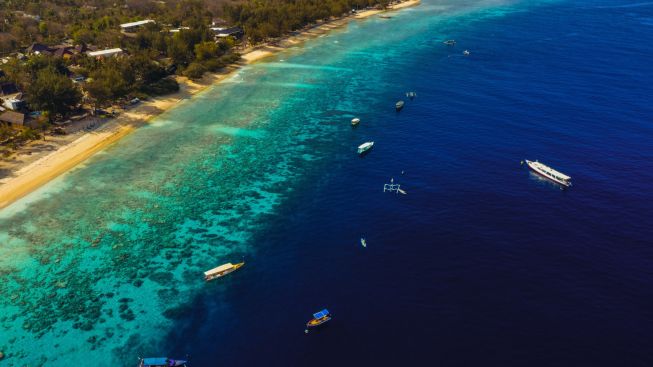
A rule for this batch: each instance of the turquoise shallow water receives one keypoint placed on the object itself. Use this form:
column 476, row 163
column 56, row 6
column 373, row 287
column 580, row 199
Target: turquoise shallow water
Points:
column 105, row 264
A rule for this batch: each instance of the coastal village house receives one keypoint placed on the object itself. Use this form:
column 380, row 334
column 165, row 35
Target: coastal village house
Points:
column 134, row 26
column 222, row 32
column 112, row 52
column 10, row 97
column 15, row 119
column 58, row 51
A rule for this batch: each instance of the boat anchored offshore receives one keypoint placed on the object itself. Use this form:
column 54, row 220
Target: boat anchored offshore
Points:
column 411, row 95
column 161, row 362
column 363, row 242
column 221, row 271
column 549, row 173
column 399, row 105
column 466, row 52
column 319, row 318
column 355, row 121
column 450, row 42
column 365, row 147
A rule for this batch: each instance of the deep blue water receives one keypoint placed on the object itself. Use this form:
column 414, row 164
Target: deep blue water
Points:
column 481, row 263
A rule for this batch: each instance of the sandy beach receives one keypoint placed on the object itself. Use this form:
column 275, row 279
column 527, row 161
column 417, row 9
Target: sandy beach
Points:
column 33, row 171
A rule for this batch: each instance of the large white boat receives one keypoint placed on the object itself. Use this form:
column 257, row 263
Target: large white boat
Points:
column 365, row 147
column 221, row 270
column 549, row 173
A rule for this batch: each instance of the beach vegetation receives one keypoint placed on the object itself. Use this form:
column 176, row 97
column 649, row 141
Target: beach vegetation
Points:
column 52, row 92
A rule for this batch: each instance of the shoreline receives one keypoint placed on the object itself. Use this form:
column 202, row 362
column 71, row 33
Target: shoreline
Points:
column 33, row 175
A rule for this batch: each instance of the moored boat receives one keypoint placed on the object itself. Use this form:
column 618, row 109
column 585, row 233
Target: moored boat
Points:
column 399, row 105
column 549, row 173
column 363, row 242
column 449, row 42
column 221, row 270
column 466, row 52
column 319, row 318
column 161, row 362
column 365, row 147
column 355, row 121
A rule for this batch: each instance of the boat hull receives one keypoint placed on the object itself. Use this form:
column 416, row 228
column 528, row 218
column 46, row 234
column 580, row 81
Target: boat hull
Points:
column 365, row 148
column 544, row 175
column 220, row 275
column 317, row 322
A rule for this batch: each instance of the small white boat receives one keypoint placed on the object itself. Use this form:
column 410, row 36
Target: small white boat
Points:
column 466, row 53
column 365, row 147
column 399, row 105
column 221, row 271
column 363, row 242
column 355, row 121
column 549, row 173
column 449, row 42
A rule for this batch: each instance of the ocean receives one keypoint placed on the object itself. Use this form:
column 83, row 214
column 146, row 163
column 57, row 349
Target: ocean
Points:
column 480, row 263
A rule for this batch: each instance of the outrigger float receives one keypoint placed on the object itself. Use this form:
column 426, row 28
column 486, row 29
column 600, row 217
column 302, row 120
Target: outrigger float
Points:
column 221, row 270
column 393, row 187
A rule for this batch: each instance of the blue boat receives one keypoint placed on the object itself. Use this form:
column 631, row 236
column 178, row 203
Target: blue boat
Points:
column 319, row 318
column 162, row 362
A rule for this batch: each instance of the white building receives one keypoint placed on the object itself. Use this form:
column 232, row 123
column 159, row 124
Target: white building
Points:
column 133, row 26
column 106, row 53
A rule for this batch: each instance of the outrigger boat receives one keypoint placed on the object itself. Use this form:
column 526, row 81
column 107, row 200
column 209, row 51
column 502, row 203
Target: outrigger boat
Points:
column 319, row 318
column 221, row 271
column 161, row 362
column 449, row 42
column 365, row 147
column 549, row 173
column 355, row 121
column 399, row 105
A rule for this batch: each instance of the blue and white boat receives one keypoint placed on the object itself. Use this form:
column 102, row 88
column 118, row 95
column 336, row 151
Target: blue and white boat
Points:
column 162, row 362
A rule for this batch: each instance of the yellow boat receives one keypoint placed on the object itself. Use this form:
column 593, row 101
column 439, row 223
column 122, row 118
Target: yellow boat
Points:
column 221, row 270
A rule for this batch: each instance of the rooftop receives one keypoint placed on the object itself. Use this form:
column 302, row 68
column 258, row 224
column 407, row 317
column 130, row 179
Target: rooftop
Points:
column 109, row 52
column 136, row 24
column 12, row 117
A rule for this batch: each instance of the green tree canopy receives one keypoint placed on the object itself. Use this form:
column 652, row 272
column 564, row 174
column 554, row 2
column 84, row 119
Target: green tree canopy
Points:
column 106, row 84
column 53, row 92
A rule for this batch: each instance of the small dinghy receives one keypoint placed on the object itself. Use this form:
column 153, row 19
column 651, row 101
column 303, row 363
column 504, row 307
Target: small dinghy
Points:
column 355, row 121
column 365, row 147
column 363, row 242
column 399, row 105
column 466, row 53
